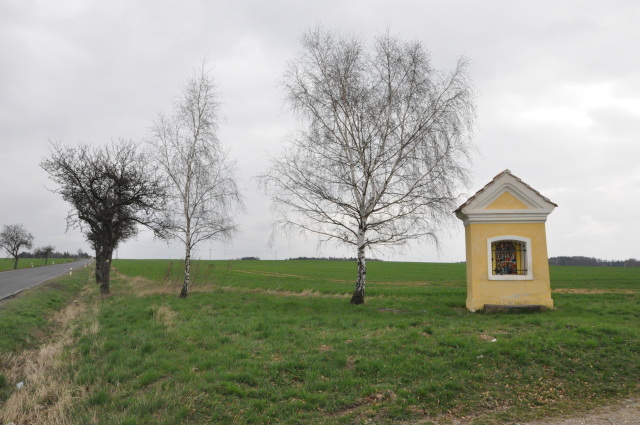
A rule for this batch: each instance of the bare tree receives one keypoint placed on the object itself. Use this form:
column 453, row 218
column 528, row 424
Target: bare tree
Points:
column 112, row 190
column 200, row 177
column 383, row 146
column 13, row 238
column 44, row 252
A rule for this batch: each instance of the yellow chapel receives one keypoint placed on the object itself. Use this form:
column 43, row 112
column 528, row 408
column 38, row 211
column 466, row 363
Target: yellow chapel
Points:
column 506, row 245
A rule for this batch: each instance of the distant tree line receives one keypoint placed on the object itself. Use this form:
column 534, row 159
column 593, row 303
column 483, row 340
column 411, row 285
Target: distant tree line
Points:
column 332, row 259
column 315, row 258
column 594, row 262
column 55, row 254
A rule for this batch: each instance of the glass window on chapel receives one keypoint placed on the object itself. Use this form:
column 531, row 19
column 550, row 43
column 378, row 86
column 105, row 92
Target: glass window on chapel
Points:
column 509, row 257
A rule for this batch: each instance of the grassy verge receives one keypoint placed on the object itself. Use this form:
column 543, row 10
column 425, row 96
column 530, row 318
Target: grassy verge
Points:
column 27, row 321
column 24, row 320
column 277, row 342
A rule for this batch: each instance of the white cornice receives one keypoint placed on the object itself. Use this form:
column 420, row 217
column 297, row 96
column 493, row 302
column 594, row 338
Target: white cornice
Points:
column 504, row 216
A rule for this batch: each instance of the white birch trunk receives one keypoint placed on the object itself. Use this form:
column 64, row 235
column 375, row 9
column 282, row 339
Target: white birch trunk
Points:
column 187, row 270
column 358, row 293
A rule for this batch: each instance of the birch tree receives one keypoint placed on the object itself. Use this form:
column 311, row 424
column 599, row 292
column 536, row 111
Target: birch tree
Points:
column 382, row 147
column 200, row 177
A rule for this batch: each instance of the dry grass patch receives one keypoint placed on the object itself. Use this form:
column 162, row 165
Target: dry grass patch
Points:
column 274, row 274
column 69, row 313
column 592, row 291
column 363, row 406
column 165, row 315
column 413, row 284
column 488, row 338
column 408, row 284
column 143, row 287
column 307, row 293
column 46, row 393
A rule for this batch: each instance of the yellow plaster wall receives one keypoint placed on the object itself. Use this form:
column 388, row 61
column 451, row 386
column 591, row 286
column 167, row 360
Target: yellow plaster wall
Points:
column 470, row 259
column 507, row 201
column 481, row 290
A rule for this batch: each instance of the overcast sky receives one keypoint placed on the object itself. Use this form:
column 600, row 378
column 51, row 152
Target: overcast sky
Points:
column 558, row 87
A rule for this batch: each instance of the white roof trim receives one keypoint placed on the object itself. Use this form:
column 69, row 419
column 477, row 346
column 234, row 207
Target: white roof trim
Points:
column 474, row 210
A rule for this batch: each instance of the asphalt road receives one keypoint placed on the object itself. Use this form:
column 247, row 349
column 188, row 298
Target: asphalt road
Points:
column 14, row 281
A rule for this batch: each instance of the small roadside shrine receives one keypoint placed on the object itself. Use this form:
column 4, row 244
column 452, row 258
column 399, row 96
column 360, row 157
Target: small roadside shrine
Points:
column 507, row 262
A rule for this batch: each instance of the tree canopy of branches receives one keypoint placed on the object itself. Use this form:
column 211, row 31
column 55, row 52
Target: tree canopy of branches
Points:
column 112, row 190
column 203, row 195
column 383, row 147
column 44, row 252
column 13, row 238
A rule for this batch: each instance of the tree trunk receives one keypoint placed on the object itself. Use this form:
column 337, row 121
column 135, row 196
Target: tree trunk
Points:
column 103, row 270
column 15, row 263
column 99, row 261
column 358, row 293
column 187, row 272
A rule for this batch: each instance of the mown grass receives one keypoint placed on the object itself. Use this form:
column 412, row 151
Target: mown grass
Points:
column 23, row 263
column 278, row 342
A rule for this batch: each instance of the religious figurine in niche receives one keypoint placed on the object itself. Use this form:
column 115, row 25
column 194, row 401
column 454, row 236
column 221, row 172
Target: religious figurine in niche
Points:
column 506, row 262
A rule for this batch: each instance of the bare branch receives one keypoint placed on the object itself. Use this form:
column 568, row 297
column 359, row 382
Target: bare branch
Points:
column 112, row 190
column 383, row 147
column 13, row 238
column 198, row 173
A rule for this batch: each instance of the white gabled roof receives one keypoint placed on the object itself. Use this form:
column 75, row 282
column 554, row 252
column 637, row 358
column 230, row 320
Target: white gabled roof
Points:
column 474, row 210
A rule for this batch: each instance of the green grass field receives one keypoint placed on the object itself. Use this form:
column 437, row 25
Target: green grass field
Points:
column 278, row 342
column 23, row 263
